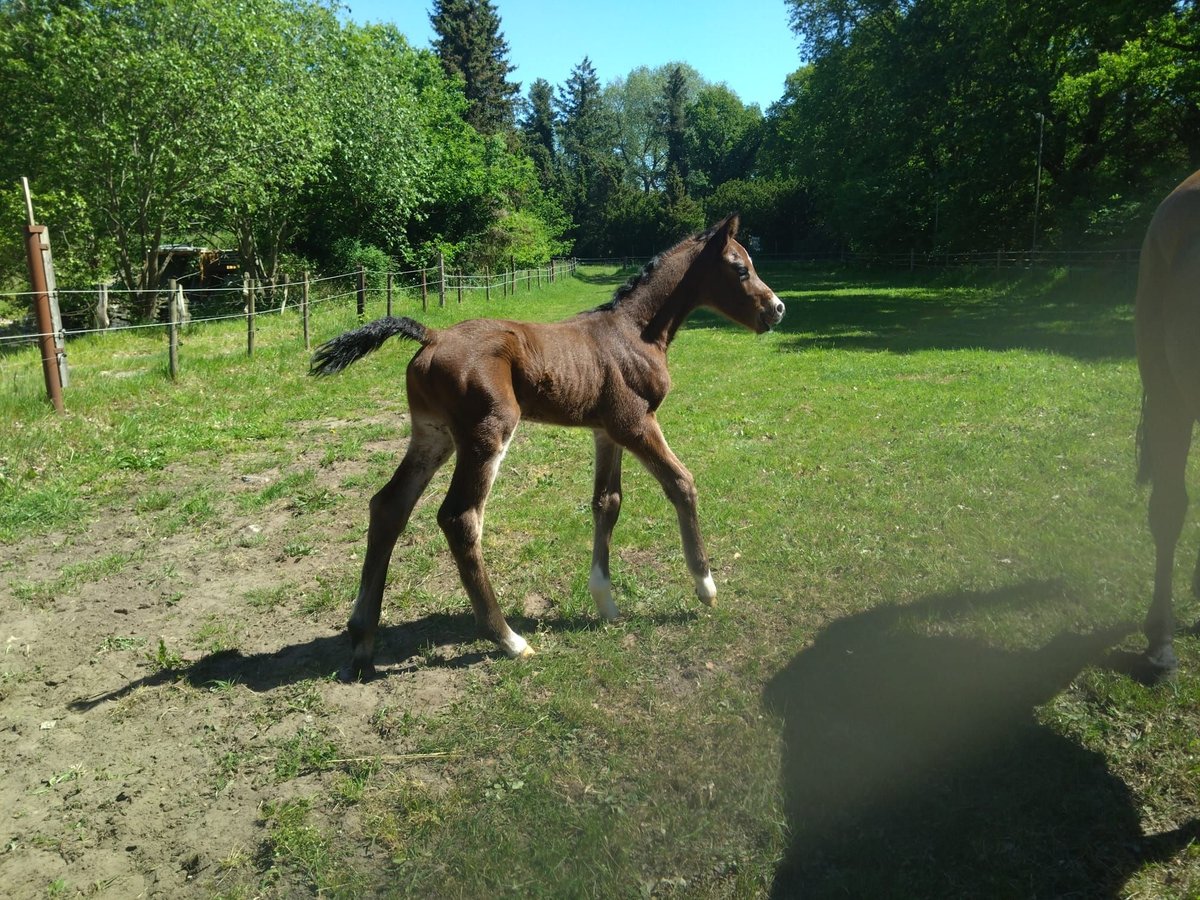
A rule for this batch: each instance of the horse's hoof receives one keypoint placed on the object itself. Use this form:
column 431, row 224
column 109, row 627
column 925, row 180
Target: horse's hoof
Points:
column 1162, row 662
column 516, row 647
column 356, row 672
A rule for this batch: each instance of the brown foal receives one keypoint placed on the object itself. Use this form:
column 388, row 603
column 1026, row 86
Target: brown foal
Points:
column 605, row 369
column 1167, row 326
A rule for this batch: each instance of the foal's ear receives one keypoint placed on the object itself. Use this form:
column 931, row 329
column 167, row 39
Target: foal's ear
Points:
column 723, row 232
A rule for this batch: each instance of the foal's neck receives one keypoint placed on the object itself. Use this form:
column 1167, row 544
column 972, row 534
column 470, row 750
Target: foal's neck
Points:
column 662, row 303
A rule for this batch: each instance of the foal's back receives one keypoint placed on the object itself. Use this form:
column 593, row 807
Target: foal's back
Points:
column 562, row 373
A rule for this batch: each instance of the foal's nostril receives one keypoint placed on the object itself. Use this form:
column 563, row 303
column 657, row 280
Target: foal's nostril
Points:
column 779, row 308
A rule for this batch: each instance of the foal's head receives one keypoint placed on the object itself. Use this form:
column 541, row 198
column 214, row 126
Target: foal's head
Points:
column 729, row 284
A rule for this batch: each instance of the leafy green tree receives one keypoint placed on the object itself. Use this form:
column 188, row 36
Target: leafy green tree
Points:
column 674, row 125
column 167, row 120
column 722, row 138
column 471, row 47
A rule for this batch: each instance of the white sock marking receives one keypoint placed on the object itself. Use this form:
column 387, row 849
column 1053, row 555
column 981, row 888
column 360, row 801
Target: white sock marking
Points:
column 706, row 589
column 515, row 646
column 601, row 589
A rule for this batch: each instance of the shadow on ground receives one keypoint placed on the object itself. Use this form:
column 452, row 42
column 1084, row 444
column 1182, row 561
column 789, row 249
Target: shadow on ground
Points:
column 1086, row 314
column 913, row 765
column 399, row 649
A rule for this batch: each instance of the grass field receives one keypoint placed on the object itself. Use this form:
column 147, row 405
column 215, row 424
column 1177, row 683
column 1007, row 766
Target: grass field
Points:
column 931, row 560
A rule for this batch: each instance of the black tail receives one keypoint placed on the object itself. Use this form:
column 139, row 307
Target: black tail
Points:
column 1141, row 450
column 336, row 354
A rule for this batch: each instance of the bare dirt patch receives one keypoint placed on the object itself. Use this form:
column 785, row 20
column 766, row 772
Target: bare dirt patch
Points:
column 166, row 683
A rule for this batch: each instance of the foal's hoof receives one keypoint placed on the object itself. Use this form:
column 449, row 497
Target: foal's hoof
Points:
column 516, row 647
column 356, row 672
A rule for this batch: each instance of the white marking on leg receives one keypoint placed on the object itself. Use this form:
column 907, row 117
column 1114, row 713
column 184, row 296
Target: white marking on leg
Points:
column 515, row 646
column 493, row 471
column 601, row 589
column 706, row 589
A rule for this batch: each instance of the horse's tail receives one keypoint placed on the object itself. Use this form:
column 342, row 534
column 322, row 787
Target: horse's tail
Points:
column 334, row 355
column 1142, row 449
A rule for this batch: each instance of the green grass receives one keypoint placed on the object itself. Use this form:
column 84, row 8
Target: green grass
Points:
column 918, row 498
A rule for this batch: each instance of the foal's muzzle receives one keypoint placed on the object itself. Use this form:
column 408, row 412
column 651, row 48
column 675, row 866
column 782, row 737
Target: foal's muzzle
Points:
column 772, row 314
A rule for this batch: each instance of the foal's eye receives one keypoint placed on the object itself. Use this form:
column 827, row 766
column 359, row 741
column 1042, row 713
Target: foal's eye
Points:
column 743, row 272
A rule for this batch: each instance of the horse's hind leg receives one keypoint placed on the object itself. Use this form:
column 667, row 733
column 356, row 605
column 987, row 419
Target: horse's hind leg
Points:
column 1167, row 439
column 606, row 507
column 461, row 519
column 429, row 447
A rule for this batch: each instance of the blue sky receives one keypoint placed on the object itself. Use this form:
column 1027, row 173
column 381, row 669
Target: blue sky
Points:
column 745, row 43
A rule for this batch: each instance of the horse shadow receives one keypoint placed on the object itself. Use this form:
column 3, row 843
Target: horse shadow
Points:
column 917, row 762
column 400, row 649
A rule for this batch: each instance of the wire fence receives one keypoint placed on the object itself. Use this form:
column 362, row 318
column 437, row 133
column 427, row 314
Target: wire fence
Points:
column 112, row 310
column 914, row 259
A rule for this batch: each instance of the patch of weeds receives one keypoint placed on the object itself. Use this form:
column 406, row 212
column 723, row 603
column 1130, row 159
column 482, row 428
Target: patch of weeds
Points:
column 296, row 846
column 59, row 887
column 137, row 459
column 162, row 659
column 216, row 635
column 329, row 595
column 305, row 697
column 286, row 486
column 351, row 788
column 312, row 501
column 308, row 751
column 118, row 643
column 268, row 598
column 196, row 510
column 41, row 593
column 155, row 501
column 229, row 765
column 297, row 549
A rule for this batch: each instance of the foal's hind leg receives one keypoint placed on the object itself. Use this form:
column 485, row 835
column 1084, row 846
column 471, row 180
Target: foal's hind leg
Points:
column 428, row 448
column 1168, row 437
column 461, row 518
column 649, row 446
column 606, row 507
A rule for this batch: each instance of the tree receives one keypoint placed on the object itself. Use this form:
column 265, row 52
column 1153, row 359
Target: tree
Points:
column 537, row 128
column 722, row 138
column 590, row 172
column 142, row 110
column 471, row 47
column 674, row 124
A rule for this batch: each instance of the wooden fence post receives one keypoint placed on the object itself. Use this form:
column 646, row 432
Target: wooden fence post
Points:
column 361, row 292
column 424, row 290
column 512, row 265
column 248, row 296
column 487, row 282
column 441, row 280
column 102, row 307
column 460, row 281
column 173, row 331
column 304, row 312
column 389, row 293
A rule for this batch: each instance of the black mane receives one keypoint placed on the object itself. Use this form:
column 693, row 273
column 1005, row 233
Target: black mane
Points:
column 649, row 269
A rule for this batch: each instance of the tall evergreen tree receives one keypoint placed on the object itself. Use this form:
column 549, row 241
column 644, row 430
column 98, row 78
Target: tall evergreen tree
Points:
column 470, row 45
column 590, row 171
column 537, row 128
column 675, row 124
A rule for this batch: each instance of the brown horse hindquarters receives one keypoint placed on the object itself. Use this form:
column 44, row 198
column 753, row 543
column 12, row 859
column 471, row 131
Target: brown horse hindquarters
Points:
column 1167, row 325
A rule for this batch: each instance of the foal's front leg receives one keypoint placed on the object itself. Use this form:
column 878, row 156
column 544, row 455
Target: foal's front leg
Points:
column 651, row 448
column 461, row 519
column 606, row 507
